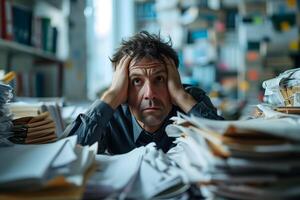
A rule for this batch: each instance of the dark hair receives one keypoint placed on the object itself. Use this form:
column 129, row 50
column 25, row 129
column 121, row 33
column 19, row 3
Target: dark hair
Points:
column 144, row 44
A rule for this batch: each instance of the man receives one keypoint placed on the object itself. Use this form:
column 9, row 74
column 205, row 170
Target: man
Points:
column 145, row 92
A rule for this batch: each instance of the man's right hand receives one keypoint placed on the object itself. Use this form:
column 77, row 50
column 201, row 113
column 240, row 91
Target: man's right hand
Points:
column 118, row 91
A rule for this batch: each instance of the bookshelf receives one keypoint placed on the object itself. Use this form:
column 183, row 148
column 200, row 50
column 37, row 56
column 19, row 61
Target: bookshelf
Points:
column 17, row 48
column 14, row 49
column 34, row 44
column 145, row 16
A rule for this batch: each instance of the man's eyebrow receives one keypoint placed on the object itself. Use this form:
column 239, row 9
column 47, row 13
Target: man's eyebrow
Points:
column 140, row 73
column 161, row 71
column 135, row 73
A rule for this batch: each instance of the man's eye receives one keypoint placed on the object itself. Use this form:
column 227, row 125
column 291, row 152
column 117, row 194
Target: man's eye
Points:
column 160, row 78
column 136, row 81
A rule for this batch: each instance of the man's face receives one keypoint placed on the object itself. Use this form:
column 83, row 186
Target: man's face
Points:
column 148, row 96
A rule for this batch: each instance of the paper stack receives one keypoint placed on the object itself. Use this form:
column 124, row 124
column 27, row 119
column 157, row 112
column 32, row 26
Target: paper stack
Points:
column 143, row 173
column 283, row 90
column 22, row 109
column 49, row 171
column 250, row 159
column 5, row 115
column 34, row 130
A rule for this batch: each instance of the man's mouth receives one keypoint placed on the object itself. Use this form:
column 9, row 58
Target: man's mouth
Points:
column 151, row 109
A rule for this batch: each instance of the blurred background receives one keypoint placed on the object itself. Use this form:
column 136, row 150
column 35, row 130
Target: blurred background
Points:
column 61, row 48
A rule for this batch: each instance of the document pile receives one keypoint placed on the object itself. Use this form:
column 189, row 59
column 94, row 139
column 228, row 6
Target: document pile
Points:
column 283, row 90
column 23, row 111
column 5, row 116
column 143, row 173
column 46, row 171
column 250, row 159
column 34, row 130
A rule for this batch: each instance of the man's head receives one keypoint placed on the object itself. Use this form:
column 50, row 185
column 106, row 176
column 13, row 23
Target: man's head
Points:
column 147, row 45
column 148, row 96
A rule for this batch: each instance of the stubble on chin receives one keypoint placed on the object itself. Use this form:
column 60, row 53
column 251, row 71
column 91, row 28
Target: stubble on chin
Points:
column 150, row 120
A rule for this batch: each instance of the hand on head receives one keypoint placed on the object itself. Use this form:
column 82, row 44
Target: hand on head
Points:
column 118, row 91
column 178, row 94
column 174, row 83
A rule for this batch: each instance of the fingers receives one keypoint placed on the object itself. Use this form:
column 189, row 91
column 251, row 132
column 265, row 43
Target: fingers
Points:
column 124, row 62
column 174, row 82
column 168, row 60
column 170, row 64
column 171, row 67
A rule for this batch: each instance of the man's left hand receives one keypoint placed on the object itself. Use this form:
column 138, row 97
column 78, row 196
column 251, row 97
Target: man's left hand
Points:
column 178, row 95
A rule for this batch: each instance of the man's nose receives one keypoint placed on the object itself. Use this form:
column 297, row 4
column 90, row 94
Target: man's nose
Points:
column 150, row 92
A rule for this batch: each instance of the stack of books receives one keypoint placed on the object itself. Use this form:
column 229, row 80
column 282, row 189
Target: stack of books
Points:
column 34, row 130
column 56, row 170
column 5, row 116
column 245, row 159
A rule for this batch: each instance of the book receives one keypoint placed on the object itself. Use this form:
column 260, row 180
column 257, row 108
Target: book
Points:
column 6, row 19
column 22, row 23
column 46, row 33
column 36, row 36
column 39, row 85
column 54, row 40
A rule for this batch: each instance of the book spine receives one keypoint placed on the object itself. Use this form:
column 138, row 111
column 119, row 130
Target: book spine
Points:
column 1, row 17
column 49, row 39
column 6, row 20
column 19, row 85
column 22, row 23
column 46, row 29
column 54, row 40
column 36, row 38
column 39, row 84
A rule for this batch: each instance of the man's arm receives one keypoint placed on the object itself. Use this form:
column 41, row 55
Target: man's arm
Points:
column 91, row 126
column 178, row 95
column 196, row 103
column 118, row 91
column 204, row 106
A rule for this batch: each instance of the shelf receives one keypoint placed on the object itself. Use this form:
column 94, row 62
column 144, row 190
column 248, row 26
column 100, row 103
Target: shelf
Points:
column 16, row 48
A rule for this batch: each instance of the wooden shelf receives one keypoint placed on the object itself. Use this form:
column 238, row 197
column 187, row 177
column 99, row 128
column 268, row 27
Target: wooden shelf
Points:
column 16, row 48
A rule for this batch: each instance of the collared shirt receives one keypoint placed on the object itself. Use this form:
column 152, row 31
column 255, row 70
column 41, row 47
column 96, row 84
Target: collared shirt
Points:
column 117, row 131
